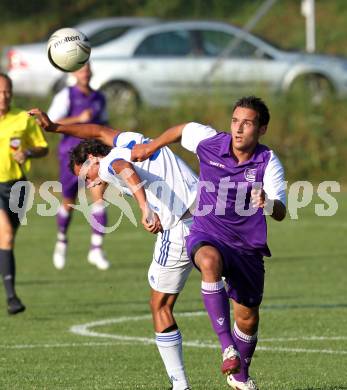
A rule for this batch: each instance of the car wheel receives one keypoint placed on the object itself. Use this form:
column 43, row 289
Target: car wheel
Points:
column 123, row 103
column 314, row 88
column 59, row 85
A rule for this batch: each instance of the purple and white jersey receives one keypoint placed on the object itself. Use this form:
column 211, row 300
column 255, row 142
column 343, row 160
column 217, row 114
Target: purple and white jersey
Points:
column 169, row 183
column 72, row 101
column 223, row 201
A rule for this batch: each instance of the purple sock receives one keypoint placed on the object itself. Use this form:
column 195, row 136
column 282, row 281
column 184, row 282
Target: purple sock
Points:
column 63, row 220
column 218, row 308
column 246, row 346
column 99, row 219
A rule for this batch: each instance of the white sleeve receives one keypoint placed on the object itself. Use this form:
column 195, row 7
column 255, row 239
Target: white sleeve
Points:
column 274, row 184
column 193, row 133
column 119, row 154
column 127, row 139
column 60, row 105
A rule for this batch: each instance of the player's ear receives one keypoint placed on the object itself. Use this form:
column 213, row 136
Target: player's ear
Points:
column 262, row 129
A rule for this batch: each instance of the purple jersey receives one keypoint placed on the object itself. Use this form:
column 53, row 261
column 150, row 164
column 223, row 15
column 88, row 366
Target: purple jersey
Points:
column 223, row 208
column 78, row 102
column 71, row 102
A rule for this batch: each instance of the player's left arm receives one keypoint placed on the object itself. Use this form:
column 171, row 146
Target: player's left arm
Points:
column 272, row 196
column 86, row 131
column 274, row 207
column 126, row 171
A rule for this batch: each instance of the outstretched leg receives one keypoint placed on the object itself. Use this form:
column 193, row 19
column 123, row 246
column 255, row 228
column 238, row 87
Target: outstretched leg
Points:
column 168, row 337
column 216, row 302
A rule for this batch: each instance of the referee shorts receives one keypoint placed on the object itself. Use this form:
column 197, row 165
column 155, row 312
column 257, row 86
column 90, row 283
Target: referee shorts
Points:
column 5, row 193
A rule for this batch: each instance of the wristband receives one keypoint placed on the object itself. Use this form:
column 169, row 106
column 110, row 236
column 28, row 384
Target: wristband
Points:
column 28, row 153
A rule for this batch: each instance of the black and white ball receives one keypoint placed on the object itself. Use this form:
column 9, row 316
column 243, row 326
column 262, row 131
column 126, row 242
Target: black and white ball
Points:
column 68, row 49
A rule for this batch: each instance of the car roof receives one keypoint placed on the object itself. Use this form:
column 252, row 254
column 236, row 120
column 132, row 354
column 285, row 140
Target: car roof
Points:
column 92, row 25
column 159, row 25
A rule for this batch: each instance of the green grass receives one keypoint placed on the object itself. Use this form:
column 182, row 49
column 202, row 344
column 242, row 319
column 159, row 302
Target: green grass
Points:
column 305, row 297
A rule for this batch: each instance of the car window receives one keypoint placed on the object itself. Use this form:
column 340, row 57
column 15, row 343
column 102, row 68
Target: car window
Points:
column 171, row 43
column 107, row 34
column 215, row 42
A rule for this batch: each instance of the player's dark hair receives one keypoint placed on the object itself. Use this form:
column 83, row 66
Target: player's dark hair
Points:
column 79, row 154
column 257, row 105
column 7, row 78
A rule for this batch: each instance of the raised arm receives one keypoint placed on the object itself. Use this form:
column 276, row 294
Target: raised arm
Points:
column 170, row 136
column 102, row 133
column 126, row 171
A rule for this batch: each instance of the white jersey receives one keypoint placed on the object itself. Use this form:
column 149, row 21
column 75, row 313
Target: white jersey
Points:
column 169, row 183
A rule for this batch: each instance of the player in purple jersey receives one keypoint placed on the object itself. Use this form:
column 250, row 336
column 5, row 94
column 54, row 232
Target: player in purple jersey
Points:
column 78, row 104
column 241, row 181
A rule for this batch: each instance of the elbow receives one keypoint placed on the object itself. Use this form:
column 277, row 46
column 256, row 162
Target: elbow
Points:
column 281, row 216
column 280, row 213
column 43, row 152
column 120, row 166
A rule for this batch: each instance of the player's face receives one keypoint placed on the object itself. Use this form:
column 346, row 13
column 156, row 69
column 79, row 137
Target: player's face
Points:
column 83, row 75
column 89, row 171
column 5, row 95
column 245, row 129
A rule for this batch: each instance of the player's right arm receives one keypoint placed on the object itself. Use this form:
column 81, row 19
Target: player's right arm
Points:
column 126, row 171
column 101, row 133
column 190, row 135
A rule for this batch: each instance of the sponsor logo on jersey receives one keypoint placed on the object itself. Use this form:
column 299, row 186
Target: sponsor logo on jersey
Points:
column 216, row 164
column 250, row 174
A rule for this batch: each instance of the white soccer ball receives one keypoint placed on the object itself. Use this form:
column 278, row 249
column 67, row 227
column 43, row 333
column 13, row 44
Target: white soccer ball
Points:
column 68, row 49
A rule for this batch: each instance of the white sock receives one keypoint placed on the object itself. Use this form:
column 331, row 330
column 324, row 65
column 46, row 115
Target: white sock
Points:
column 96, row 239
column 61, row 237
column 170, row 349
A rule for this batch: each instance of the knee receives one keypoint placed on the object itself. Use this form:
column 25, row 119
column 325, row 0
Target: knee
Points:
column 6, row 239
column 248, row 324
column 209, row 263
column 158, row 306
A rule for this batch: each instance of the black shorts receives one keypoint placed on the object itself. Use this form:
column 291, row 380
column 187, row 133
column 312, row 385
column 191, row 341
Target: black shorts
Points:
column 5, row 192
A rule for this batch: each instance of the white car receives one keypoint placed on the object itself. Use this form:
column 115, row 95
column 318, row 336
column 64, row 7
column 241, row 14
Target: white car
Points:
column 32, row 73
column 154, row 64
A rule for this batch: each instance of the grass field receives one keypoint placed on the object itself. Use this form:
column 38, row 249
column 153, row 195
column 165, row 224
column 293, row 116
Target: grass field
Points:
column 303, row 333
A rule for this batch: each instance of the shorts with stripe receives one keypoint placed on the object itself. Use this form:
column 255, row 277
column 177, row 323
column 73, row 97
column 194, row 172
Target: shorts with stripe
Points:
column 171, row 265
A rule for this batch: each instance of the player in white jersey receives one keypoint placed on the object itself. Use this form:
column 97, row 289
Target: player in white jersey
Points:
column 164, row 188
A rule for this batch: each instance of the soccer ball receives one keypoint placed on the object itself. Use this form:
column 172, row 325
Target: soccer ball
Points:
column 68, row 49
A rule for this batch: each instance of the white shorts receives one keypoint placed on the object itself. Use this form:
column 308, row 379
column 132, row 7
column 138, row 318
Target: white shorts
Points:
column 171, row 265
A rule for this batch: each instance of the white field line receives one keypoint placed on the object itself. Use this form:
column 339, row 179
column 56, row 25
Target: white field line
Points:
column 85, row 330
